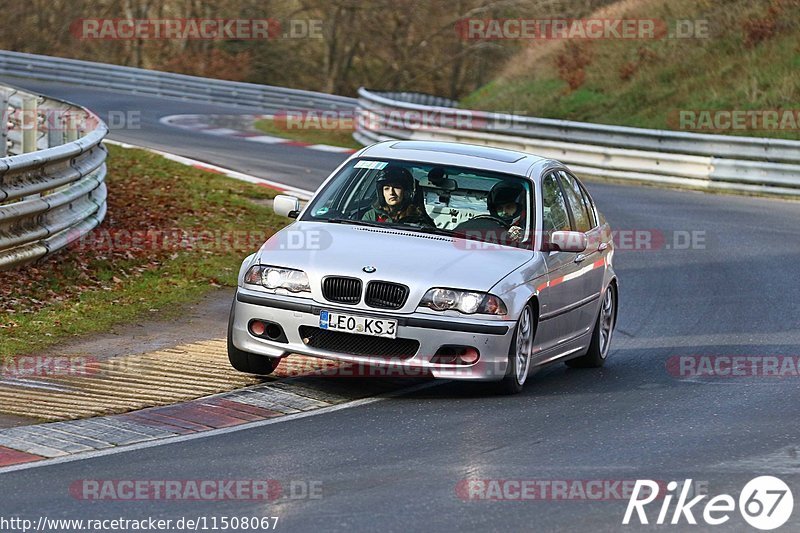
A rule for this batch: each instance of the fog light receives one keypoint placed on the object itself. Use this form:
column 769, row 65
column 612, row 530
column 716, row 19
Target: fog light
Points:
column 257, row 328
column 456, row 355
column 470, row 356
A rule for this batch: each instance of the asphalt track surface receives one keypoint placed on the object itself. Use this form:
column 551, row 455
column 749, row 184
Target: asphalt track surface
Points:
column 398, row 464
column 135, row 120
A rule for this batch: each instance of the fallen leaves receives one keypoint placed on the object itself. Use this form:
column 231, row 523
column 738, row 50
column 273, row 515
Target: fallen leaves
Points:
column 140, row 203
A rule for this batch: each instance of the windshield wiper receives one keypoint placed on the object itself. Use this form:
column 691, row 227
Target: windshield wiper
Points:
column 468, row 235
column 426, row 229
column 353, row 222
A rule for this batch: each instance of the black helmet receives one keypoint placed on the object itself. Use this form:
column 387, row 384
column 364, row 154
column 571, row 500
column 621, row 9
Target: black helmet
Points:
column 504, row 193
column 436, row 176
column 400, row 177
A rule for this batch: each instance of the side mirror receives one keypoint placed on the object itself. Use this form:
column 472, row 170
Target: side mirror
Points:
column 568, row 241
column 286, row 206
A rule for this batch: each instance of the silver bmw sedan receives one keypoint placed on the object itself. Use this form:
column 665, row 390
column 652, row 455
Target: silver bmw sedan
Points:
column 449, row 259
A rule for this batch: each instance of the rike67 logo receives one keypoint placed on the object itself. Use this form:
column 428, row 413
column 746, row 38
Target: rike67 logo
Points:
column 765, row 503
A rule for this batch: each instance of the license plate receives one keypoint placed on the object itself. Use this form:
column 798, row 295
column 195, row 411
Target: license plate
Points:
column 362, row 325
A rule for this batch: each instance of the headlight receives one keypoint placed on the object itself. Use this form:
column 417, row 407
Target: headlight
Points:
column 468, row 302
column 278, row 278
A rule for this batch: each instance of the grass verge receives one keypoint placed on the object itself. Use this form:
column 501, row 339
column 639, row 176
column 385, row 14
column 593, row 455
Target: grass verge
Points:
column 172, row 234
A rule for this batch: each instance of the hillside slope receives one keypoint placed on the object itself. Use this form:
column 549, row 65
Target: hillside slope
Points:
column 749, row 60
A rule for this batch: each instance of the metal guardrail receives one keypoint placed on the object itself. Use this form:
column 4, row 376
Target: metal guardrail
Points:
column 744, row 164
column 52, row 175
column 167, row 85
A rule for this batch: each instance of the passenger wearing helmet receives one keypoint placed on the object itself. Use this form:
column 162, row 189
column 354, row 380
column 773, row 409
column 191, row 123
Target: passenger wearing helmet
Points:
column 396, row 199
column 506, row 202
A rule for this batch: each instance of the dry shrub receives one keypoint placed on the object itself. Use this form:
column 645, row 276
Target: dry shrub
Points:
column 571, row 63
column 763, row 29
column 644, row 55
column 214, row 63
column 627, row 70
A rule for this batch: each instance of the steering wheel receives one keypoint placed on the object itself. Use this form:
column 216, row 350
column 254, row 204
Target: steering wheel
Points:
column 497, row 220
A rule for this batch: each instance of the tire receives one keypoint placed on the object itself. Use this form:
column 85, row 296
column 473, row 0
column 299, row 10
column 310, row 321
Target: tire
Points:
column 519, row 354
column 247, row 362
column 599, row 346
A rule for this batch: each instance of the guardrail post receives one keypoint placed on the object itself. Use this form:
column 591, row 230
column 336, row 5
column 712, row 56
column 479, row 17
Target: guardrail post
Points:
column 55, row 128
column 71, row 127
column 30, row 125
column 5, row 117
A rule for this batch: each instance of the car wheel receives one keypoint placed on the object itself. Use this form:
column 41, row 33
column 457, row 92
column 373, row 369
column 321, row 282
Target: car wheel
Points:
column 600, row 344
column 519, row 353
column 245, row 361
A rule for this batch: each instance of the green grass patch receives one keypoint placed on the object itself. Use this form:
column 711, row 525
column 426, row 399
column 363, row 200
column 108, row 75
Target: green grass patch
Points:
column 172, row 234
column 336, row 133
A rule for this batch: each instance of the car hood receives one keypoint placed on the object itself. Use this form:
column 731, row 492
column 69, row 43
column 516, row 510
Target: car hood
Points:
column 418, row 260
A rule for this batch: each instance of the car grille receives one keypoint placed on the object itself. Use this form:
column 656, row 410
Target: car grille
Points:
column 385, row 295
column 354, row 344
column 342, row 290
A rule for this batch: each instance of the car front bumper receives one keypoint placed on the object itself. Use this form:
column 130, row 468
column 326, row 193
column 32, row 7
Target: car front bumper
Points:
column 491, row 338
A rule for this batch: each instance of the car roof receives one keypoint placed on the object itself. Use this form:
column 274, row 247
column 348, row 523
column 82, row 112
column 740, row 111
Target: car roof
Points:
column 455, row 154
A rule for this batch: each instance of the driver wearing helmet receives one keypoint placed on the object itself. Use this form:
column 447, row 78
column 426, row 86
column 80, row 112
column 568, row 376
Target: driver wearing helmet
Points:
column 506, row 202
column 396, row 190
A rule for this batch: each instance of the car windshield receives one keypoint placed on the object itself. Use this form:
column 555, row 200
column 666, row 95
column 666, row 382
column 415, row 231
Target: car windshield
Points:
column 418, row 196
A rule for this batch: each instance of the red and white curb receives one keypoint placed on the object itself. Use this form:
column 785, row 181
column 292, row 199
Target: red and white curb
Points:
column 56, row 442
column 303, row 194
column 200, row 124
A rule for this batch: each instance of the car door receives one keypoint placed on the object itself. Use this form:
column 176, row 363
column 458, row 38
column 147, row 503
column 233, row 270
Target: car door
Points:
column 593, row 259
column 562, row 318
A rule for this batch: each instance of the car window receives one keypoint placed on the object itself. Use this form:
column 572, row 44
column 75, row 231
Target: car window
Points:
column 554, row 207
column 446, row 198
column 589, row 206
column 580, row 213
